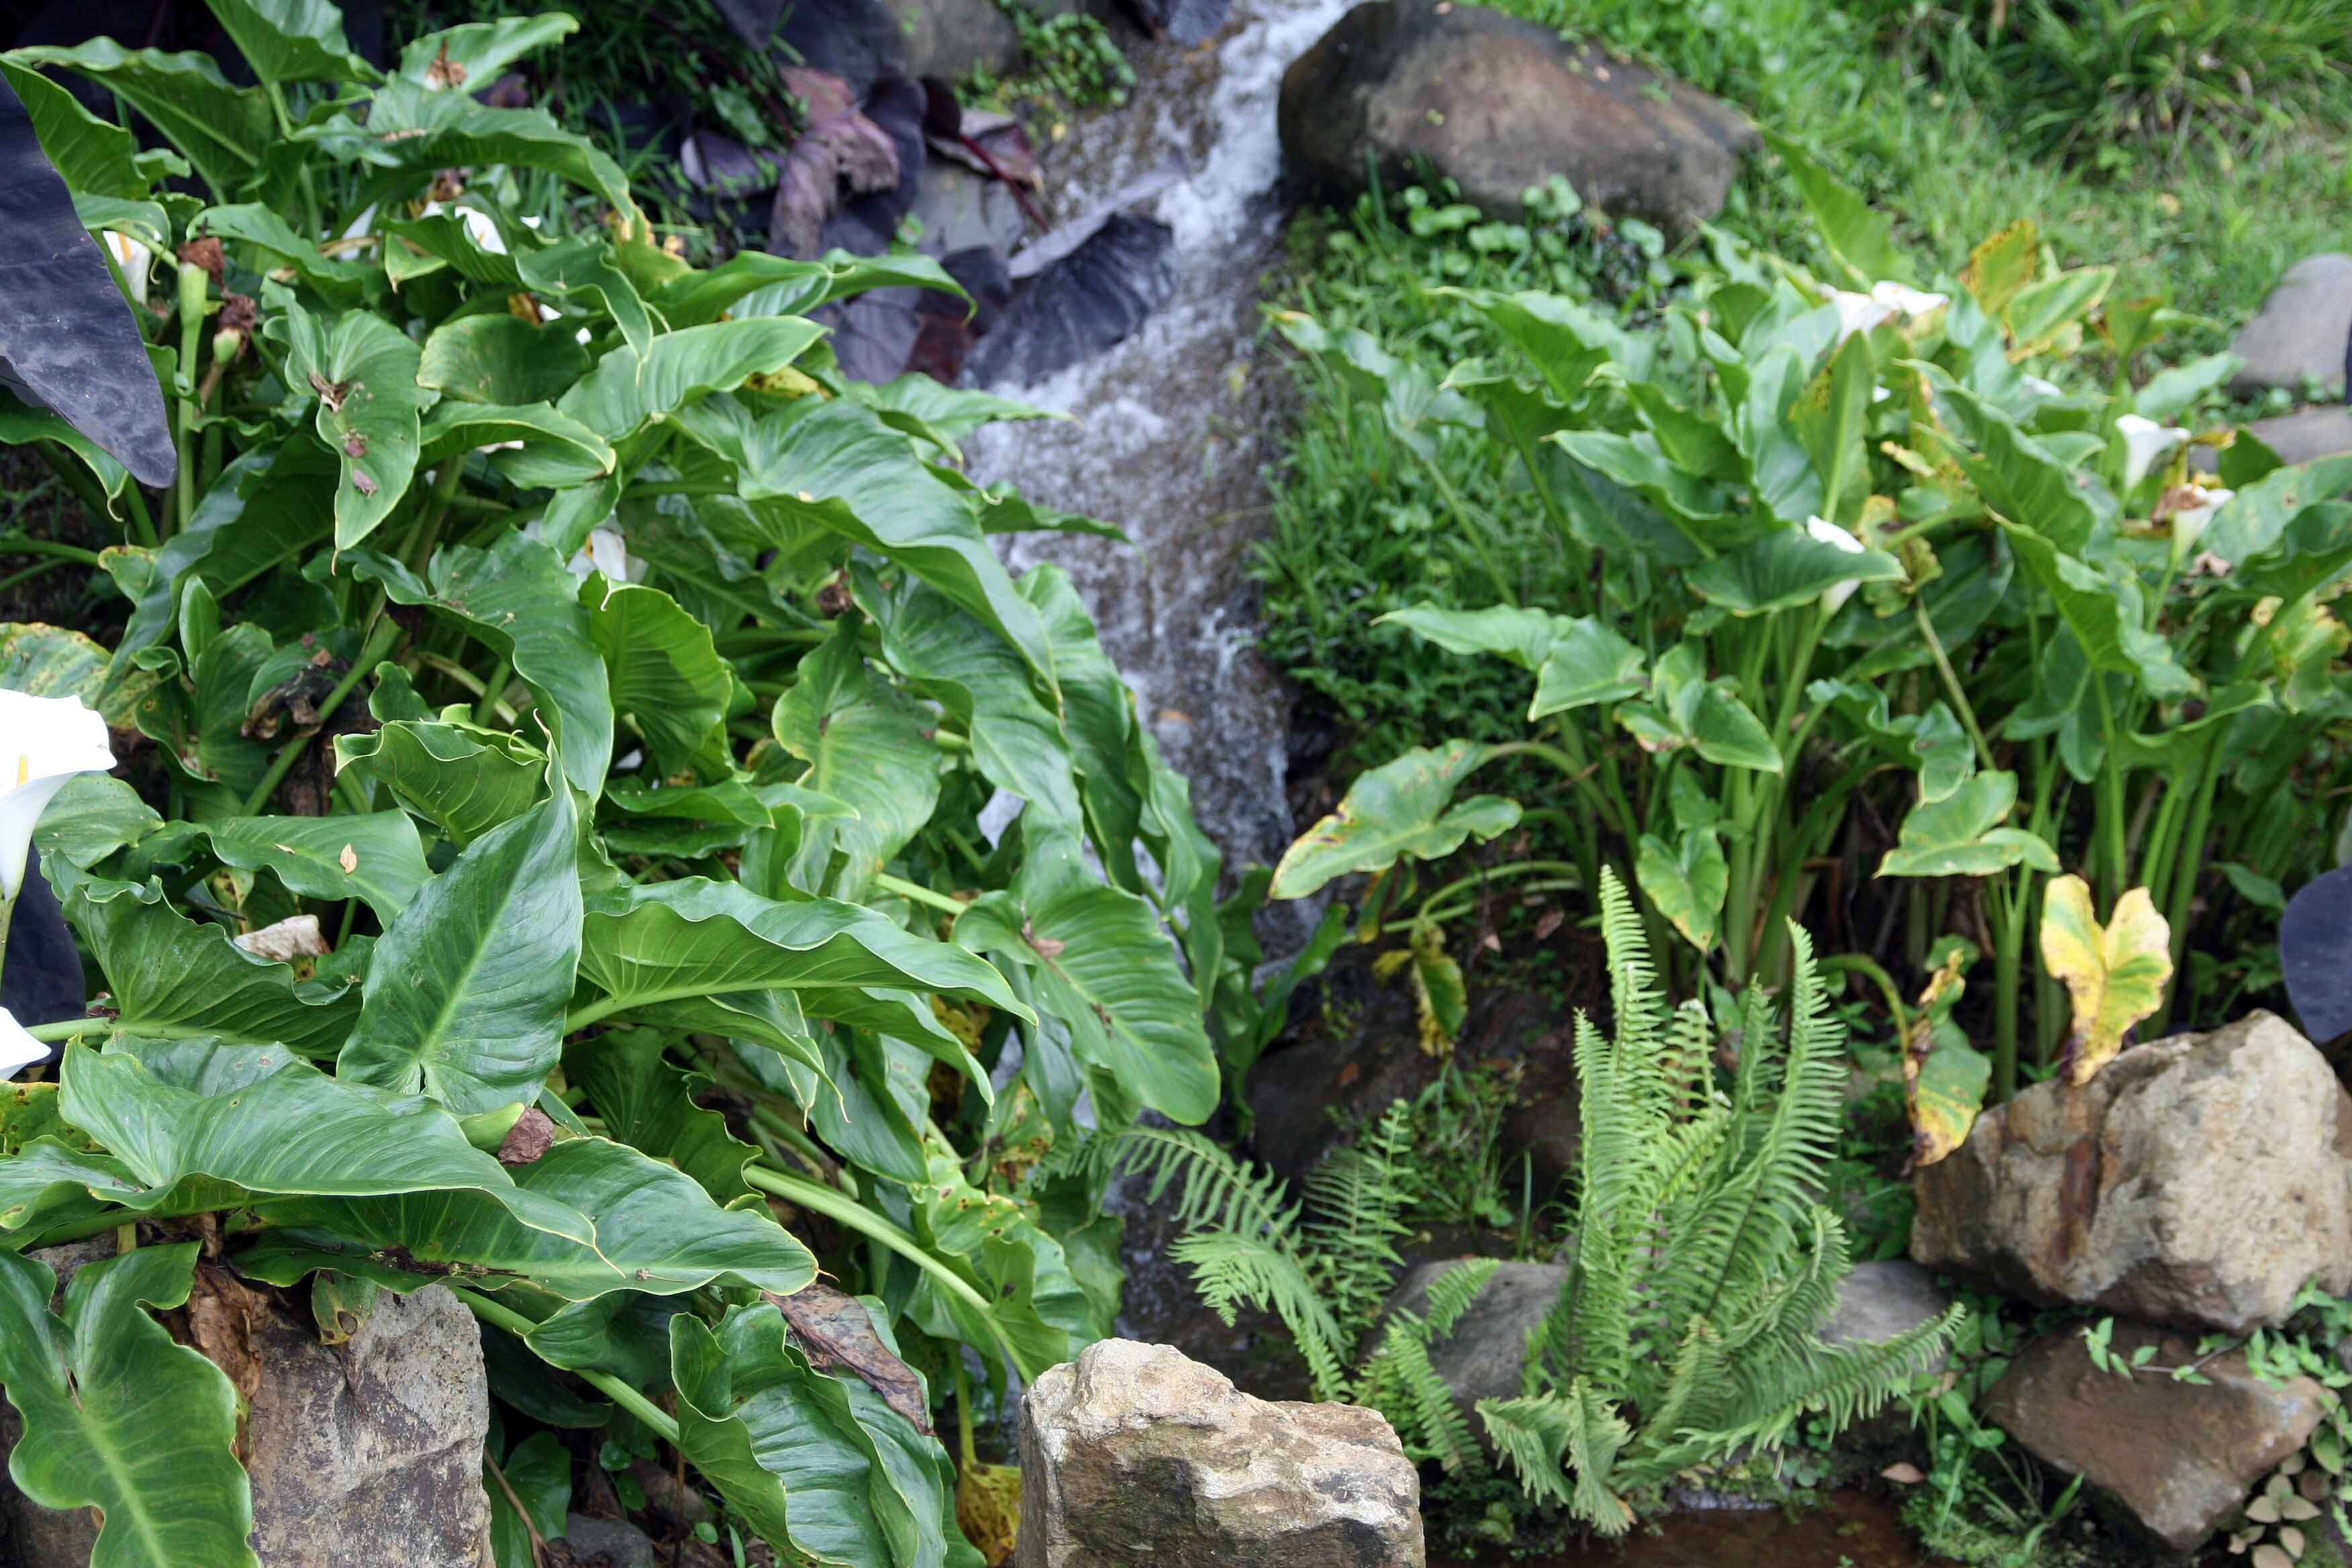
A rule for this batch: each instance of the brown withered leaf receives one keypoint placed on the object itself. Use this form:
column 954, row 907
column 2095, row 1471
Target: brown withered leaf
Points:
column 833, row 1327
column 226, row 1318
column 204, row 251
column 444, row 71
column 838, row 148
column 531, row 1135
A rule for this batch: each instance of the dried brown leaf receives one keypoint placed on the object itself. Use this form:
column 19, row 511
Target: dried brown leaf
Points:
column 833, row 1327
column 531, row 1135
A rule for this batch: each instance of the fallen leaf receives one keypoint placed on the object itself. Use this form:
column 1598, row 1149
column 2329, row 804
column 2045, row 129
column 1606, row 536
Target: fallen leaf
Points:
column 225, row 1317
column 833, row 1327
column 296, row 936
column 2115, row 974
column 1904, row 1473
column 531, row 1135
column 349, row 860
column 988, row 1509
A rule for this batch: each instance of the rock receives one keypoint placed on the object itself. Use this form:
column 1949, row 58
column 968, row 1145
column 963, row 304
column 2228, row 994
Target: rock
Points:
column 1879, row 1301
column 860, row 41
column 2177, row 1457
column 2198, row 1181
column 371, row 1451
column 2303, row 332
column 2306, row 434
column 960, row 209
column 1499, row 104
column 607, row 1543
column 1134, row 1454
column 1482, row 1357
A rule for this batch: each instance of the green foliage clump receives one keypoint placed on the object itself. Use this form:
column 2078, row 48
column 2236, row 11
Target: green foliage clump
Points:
column 1069, row 58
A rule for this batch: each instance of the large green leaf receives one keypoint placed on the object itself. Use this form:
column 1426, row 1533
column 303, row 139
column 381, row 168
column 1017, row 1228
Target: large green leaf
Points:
column 665, row 676
column 521, row 601
column 471, row 55
column 1577, row 662
column 784, row 286
column 225, row 131
column 501, row 360
column 96, row 156
column 376, row 858
column 832, row 463
column 557, row 451
column 783, row 1445
column 2104, row 610
column 1962, row 834
column 1787, row 567
column 1106, row 971
column 292, row 40
column 1034, row 1299
column 466, row 995
column 631, row 388
column 261, row 1120
column 266, row 508
column 412, row 130
column 650, row 948
column 119, row 1418
column 654, row 1231
column 2257, row 518
column 649, row 1105
column 1686, row 880
column 172, row 976
column 464, row 780
column 50, row 661
column 866, row 746
column 2019, row 477
column 1861, row 236
column 1404, row 808
column 341, row 282
column 362, row 370
column 1686, row 709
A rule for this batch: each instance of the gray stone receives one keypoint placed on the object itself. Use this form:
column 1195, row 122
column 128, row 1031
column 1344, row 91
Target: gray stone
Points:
column 1133, row 1454
column 369, row 1452
column 2176, row 1458
column 607, row 1543
column 2198, row 1181
column 960, row 208
column 2301, row 333
column 1498, row 105
column 1882, row 1299
column 1482, row 1357
column 2306, row 434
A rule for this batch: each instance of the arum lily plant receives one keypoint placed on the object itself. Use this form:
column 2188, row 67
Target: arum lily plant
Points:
column 1884, row 627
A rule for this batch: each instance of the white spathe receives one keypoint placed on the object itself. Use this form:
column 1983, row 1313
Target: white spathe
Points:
column 1886, row 302
column 2143, row 442
column 606, row 551
column 18, row 1049
column 2188, row 522
column 1834, row 597
column 44, row 741
column 133, row 258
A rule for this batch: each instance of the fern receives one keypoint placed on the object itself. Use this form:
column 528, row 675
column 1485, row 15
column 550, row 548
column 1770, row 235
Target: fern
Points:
column 1688, row 1325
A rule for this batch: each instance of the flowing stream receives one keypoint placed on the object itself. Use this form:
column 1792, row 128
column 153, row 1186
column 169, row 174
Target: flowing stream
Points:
column 1169, row 429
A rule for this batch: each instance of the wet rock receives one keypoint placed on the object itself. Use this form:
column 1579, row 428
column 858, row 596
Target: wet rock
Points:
column 1498, row 105
column 2177, row 1459
column 2303, row 332
column 607, row 1543
column 1133, row 1453
column 2198, row 1181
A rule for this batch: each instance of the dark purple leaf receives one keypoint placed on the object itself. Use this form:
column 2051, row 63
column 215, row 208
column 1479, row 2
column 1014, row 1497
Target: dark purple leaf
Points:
column 1076, row 307
column 841, row 152
column 69, row 342
column 2316, row 953
column 1186, row 21
column 725, row 167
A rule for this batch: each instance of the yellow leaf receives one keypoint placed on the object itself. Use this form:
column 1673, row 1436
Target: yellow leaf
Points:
column 988, row 1509
column 2116, row 973
column 1944, row 1081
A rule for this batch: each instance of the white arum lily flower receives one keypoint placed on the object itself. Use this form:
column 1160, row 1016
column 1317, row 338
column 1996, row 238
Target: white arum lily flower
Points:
column 606, row 551
column 44, row 743
column 1885, row 302
column 2143, row 442
column 18, row 1049
column 133, row 258
column 2188, row 522
column 1834, row 597
column 2041, row 388
column 480, row 227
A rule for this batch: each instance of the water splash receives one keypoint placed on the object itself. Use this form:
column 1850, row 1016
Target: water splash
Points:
column 1167, row 430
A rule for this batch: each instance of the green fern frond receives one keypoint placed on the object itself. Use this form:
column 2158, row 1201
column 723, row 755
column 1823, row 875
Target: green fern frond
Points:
column 1231, row 1270
column 1215, row 1192
column 1453, row 1290
column 1419, row 1402
column 1531, row 1434
column 1358, row 1197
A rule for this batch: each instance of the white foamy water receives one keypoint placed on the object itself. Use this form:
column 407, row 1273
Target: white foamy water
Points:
column 1169, row 429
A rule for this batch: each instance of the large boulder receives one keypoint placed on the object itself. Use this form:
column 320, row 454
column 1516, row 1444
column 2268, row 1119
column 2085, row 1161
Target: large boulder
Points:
column 2176, row 1458
column 1132, row 1454
column 2199, row 1182
column 2303, row 332
column 1498, row 105
column 370, row 1451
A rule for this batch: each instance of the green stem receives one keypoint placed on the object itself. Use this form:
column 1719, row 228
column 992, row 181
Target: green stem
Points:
column 1518, row 868
column 1869, row 969
column 963, row 1413
column 503, row 1317
column 1952, row 684
column 2191, row 854
column 914, row 892
column 2110, row 811
column 855, row 1217
column 2006, row 911
column 22, row 544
